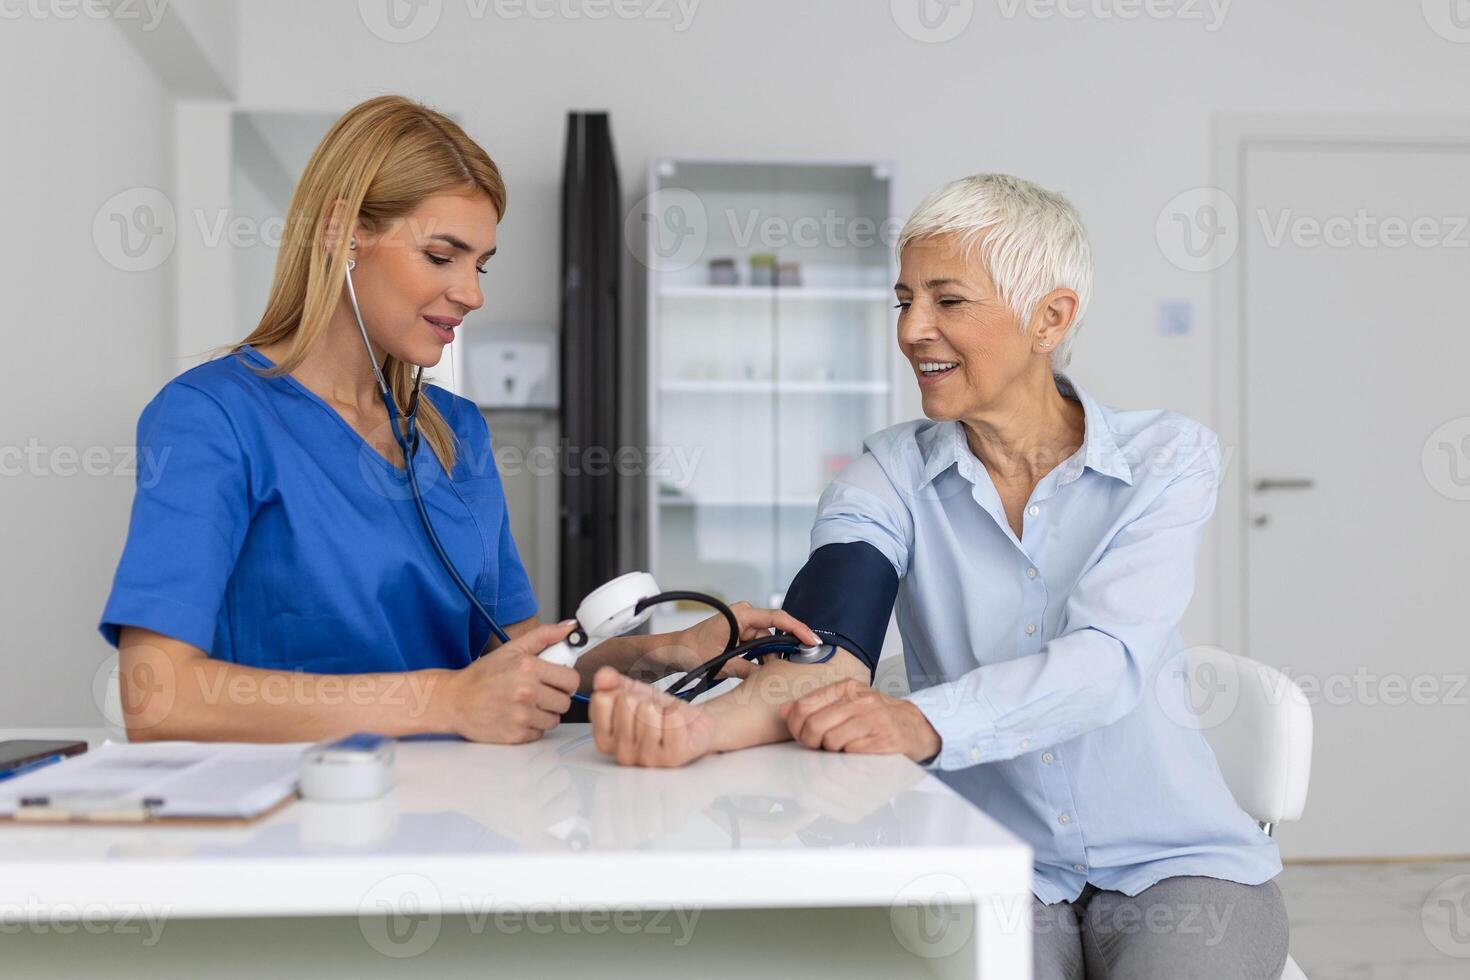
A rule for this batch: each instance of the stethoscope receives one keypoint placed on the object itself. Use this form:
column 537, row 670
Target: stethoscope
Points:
column 613, row 608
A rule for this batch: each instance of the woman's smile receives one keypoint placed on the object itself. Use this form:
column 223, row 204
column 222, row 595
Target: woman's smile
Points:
column 933, row 371
column 443, row 327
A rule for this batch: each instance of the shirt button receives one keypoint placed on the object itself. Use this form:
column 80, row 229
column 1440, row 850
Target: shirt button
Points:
column 1033, row 510
column 1030, row 628
column 974, row 755
column 1030, row 573
column 1079, row 867
column 1048, row 758
column 1025, row 743
column 1064, row 820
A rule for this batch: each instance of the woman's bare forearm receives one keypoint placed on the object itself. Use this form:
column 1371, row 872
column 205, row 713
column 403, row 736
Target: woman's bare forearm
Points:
column 750, row 713
column 171, row 690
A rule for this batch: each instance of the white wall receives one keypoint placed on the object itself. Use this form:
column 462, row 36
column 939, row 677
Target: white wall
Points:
column 88, row 343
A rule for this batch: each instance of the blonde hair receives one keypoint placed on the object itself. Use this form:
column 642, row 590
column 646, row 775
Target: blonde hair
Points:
column 382, row 159
column 1032, row 241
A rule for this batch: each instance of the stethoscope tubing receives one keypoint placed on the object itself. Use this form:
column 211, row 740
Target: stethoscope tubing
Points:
column 407, row 437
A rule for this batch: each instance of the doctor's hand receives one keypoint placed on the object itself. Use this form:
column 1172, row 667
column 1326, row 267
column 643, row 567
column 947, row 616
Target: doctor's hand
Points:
column 511, row 695
column 641, row 726
column 850, row 716
column 689, row 648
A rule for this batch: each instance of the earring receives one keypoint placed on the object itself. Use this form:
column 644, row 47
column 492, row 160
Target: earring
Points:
column 353, row 244
column 1044, row 345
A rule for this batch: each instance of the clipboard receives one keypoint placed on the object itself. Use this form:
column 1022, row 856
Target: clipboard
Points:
column 198, row 784
column 39, row 816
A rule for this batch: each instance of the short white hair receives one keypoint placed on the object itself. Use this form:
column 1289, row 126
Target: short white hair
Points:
column 1031, row 241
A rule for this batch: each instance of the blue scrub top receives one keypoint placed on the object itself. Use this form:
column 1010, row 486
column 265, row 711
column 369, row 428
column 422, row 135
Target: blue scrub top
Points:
column 266, row 531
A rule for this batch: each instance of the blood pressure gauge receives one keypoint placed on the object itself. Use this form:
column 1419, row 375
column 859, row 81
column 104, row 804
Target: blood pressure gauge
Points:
column 609, row 610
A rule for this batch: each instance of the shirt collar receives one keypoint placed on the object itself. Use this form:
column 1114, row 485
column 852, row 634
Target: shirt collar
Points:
column 944, row 445
column 939, row 448
column 1099, row 444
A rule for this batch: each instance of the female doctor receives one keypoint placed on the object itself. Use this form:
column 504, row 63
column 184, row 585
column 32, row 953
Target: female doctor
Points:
column 276, row 583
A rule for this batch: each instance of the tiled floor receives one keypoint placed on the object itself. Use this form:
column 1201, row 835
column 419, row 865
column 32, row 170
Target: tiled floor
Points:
column 1380, row 921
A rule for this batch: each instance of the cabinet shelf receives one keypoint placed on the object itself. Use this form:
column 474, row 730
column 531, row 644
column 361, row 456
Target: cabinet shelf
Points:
column 754, row 387
column 671, row 501
column 850, row 293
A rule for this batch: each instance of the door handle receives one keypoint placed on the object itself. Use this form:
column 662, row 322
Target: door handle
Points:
column 1283, row 483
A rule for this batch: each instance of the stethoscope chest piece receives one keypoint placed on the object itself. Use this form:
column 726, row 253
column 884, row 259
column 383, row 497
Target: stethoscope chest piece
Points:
column 611, row 609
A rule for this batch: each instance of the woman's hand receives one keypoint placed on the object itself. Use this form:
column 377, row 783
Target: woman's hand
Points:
column 511, row 695
column 641, row 726
column 850, row 716
column 689, row 648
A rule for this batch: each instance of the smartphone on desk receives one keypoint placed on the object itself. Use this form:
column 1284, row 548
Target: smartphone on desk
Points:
column 20, row 755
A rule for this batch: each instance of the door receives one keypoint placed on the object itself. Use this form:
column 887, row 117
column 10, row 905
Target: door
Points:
column 1356, row 456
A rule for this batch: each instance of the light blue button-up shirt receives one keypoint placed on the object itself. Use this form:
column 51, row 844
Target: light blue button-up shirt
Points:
column 1052, row 665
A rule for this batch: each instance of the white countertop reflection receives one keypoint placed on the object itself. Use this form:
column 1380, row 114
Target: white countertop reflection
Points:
column 550, row 821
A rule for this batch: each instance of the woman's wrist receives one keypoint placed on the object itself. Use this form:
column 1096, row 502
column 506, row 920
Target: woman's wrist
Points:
column 927, row 741
column 746, row 715
column 442, row 715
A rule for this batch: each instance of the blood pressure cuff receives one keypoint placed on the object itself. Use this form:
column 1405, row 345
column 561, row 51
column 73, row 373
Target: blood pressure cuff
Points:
column 845, row 593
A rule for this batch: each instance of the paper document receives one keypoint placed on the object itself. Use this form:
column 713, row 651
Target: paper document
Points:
column 163, row 779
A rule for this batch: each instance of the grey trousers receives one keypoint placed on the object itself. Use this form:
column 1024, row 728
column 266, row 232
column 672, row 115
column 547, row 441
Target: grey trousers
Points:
column 1176, row 929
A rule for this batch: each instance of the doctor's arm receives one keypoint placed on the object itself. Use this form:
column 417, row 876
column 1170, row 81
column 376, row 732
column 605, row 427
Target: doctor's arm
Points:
column 173, row 690
column 192, row 510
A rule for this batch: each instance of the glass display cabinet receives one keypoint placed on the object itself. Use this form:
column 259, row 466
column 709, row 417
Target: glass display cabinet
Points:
column 771, row 355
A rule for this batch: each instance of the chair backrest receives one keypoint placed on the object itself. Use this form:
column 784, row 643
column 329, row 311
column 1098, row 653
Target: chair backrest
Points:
column 1256, row 719
column 1259, row 723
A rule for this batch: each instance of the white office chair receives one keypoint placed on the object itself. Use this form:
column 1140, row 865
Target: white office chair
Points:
column 1261, row 731
column 1257, row 721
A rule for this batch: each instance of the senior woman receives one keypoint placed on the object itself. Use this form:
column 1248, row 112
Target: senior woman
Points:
column 1045, row 546
column 276, row 584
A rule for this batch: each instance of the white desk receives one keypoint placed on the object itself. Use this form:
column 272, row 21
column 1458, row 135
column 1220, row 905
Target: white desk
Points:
column 542, row 860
